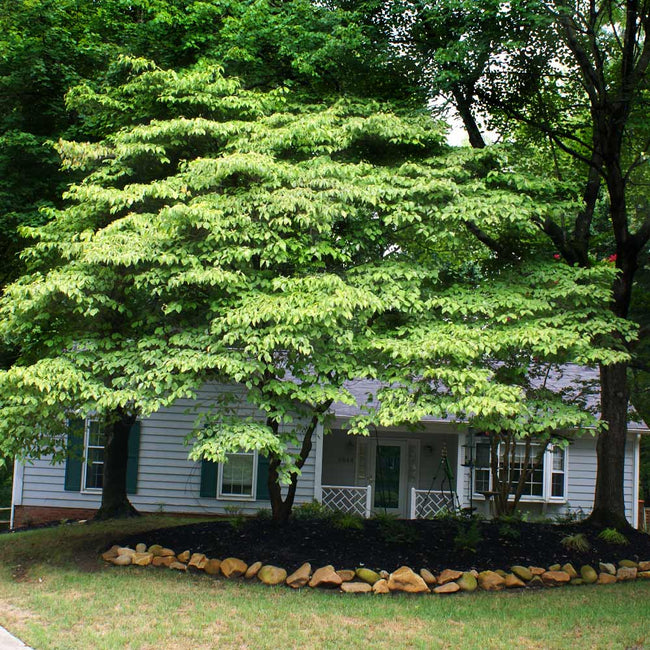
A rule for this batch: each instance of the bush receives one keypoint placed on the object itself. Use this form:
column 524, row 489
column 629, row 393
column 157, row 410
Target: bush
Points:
column 612, row 536
column 312, row 510
column 394, row 531
column 6, row 476
column 468, row 537
column 347, row 521
column 577, row 542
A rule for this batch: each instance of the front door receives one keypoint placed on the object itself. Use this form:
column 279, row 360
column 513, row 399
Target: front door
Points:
column 390, row 486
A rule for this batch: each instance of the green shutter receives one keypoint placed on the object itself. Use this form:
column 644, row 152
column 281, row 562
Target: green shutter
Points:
column 262, row 493
column 74, row 452
column 209, row 478
column 132, row 462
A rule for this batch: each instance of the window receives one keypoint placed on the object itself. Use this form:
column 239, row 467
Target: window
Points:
column 237, row 476
column 93, row 469
column 545, row 483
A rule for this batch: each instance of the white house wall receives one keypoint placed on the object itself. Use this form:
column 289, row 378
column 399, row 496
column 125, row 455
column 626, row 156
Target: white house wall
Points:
column 167, row 480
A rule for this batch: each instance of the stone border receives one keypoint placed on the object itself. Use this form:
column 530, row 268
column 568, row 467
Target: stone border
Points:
column 363, row 580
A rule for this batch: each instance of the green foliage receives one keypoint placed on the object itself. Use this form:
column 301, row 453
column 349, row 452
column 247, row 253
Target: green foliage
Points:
column 577, row 542
column 468, row 537
column 393, row 530
column 6, row 482
column 347, row 521
column 613, row 536
column 312, row 510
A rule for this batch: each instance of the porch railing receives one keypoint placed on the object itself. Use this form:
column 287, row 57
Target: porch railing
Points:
column 427, row 503
column 356, row 500
column 4, row 522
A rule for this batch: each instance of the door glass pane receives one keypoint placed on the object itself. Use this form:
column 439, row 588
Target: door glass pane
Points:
column 387, row 476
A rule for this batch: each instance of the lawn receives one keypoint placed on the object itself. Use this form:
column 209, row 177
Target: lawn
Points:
column 56, row 594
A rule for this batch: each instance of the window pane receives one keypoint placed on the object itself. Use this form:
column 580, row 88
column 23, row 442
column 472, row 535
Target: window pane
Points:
column 558, row 459
column 95, row 469
column 481, row 480
column 557, row 485
column 237, row 476
column 482, row 455
column 95, row 434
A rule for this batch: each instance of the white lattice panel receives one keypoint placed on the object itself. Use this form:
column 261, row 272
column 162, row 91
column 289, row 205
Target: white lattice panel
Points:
column 345, row 499
column 429, row 504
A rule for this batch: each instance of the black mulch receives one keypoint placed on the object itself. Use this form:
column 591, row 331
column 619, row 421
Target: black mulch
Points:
column 390, row 544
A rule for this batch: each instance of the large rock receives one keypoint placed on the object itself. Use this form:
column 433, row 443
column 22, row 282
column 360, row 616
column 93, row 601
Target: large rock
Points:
column 140, row 548
column 570, row 569
column 125, row 550
column 184, row 557
column 588, row 574
column 628, row 564
column 449, row 575
column 155, row 549
column 555, row 578
column 198, row 561
column 644, row 565
column 467, row 582
column 606, row 579
column 537, row 570
column 512, row 581
column 536, row 581
column 253, row 570
column 122, row 560
column 160, row 560
column 447, row 588
column 271, row 575
column 643, row 575
column 607, row 567
column 491, row 581
column 367, row 575
column 428, row 577
column 300, row 577
column 405, row 579
column 347, row 575
column 166, row 552
column 326, row 576
column 626, row 573
column 356, row 587
column 381, row 586
column 142, row 559
column 522, row 572
column 555, row 567
column 233, row 567
column 110, row 554
column 212, row 567
column 178, row 566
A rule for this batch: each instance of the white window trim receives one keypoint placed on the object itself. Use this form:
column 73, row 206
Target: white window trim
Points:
column 238, row 497
column 84, row 465
column 547, row 480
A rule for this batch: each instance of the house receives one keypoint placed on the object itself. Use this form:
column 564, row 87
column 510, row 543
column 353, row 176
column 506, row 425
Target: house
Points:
column 411, row 474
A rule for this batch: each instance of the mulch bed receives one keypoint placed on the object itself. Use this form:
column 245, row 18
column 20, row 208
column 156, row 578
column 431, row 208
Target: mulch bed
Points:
column 382, row 544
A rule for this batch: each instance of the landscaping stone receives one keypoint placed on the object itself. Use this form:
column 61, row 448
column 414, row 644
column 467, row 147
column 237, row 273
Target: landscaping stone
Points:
column 626, row 573
column 606, row 579
column 512, row 581
column 253, row 570
column 570, row 569
column 271, row 575
column 184, row 557
column 212, row 567
column 644, row 575
column 356, row 587
column 447, row 588
column 166, row 552
column 233, row 567
column 644, row 566
column 140, row 548
column 607, row 567
column 125, row 550
column 467, row 582
column 367, row 575
column 155, row 549
column 588, row 574
column 142, row 559
column 381, row 586
column 110, row 554
column 384, row 574
column 555, row 567
column 501, row 572
column 121, row 560
column 178, row 566
column 198, row 561
column 536, row 570
column 536, row 581
column 405, row 579
column 577, row 581
column 522, row 572
column 428, row 577
column 491, row 581
column 300, row 577
column 346, row 575
column 628, row 564
column 159, row 560
column 326, row 576
column 555, row 578
column 474, row 572
column 449, row 575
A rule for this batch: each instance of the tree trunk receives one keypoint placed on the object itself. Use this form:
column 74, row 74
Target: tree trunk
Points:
column 115, row 503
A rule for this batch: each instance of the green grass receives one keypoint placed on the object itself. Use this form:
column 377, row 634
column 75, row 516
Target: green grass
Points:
column 55, row 594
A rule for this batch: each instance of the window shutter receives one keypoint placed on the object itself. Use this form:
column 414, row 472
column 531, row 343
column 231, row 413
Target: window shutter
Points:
column 132, row 462
column 262, row 491
column 209, row 478
column 74, row 455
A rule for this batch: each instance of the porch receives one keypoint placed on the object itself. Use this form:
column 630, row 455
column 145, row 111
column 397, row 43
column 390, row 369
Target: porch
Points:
column 410, row 475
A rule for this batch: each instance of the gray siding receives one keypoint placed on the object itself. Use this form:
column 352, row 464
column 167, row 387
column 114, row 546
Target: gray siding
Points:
column 167, row 480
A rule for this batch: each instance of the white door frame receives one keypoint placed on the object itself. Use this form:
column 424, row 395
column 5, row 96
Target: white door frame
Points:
column 403, row 473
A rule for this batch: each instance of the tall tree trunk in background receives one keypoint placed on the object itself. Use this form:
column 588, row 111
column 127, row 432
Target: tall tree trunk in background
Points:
column 115, row 502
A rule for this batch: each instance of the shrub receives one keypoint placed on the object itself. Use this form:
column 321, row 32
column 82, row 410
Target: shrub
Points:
column 468, row 537
column 347, row 521
column 577, row 542
column 394, row 531
column 612, row 536
column 312, row 510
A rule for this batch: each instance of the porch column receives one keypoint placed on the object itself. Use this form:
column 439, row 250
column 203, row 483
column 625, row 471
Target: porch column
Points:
column 318, row 468
column 460, row 471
